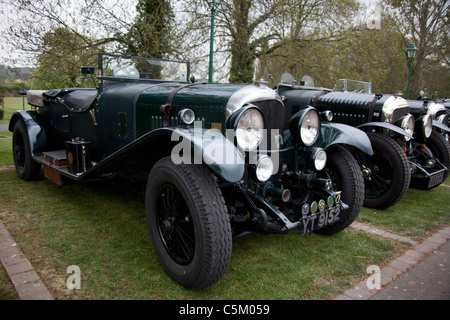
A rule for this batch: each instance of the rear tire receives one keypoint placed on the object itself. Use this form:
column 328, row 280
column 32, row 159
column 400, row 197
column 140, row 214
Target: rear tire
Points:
column 27, row 169
column 188, row 223
column 390, row 172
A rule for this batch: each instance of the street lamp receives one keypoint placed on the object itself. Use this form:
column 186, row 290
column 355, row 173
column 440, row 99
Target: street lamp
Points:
column 411, row 52
column 213, row 5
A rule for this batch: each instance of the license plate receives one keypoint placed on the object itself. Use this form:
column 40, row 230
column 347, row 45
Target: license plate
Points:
column 318, row 220
column 436, row 179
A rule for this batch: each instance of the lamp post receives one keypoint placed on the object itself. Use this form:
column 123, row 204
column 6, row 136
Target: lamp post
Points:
column 213, row 5
column 411, row 52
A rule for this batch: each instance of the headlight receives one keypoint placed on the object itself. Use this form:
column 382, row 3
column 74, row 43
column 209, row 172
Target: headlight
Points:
column 319, row 158
column 408, row 125
column 427, row 125
column 264, row 168
column 305, row 126
column 250, row 129
column 309, row 128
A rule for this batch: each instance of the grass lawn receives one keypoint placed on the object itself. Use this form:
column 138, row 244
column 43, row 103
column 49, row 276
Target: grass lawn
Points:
column 102, row 229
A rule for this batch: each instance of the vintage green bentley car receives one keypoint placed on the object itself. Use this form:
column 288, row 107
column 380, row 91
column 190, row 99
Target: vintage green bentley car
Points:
column 218, row 160
column 407, row 151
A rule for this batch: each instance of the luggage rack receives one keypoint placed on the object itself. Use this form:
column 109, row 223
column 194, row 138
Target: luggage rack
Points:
column 55, row 167
column 71, row 162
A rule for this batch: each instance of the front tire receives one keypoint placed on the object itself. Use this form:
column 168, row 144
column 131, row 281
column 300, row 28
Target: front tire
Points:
column 440, row 148
column 344, row 171
column 188, row 223
column 389, row 169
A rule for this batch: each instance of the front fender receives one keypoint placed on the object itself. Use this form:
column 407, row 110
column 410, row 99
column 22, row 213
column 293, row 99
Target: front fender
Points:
column 36, row 131
column 388, row 126
column 441, row 126
column 209, row 147
column 337, row 133
column 189, row 146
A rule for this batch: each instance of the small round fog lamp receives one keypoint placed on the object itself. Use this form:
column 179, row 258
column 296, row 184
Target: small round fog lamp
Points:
column 264, row 169
column 319, row 158
column 187, row 116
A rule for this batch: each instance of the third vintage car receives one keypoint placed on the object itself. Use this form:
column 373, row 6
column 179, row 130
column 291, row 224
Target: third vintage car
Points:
column 407, row 151
column 216, row 160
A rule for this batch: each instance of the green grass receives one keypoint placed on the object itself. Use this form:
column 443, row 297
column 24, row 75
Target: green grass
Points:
column 6, row 157
column 417, row 212
column 102, row 229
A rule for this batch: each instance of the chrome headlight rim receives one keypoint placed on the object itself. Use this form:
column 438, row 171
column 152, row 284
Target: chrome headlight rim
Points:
column 240, row 128
column 187, row 116
column 427, row 125
column 327, row 115
column 408, row 124
column 304, row 127
column 299, row 129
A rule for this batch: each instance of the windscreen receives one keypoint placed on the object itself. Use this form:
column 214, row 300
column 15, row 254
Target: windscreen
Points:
column 128, row 67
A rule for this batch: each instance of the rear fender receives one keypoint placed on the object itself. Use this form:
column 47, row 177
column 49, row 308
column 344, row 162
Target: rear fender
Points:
column 36, row 131
column 385, row 125
column 337, row 133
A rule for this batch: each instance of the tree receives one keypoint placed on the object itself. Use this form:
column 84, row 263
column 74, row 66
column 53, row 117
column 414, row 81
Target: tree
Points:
column 426, row 23
column 70, row 34
column 94, row 22
column 63, row 54
column 248, row 29
column 315, row 40
column 148, row 36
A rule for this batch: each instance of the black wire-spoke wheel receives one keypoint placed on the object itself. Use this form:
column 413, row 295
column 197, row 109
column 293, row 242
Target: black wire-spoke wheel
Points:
column 26, row 167
column 175, row 225
column 188, row 223
column 386, row 173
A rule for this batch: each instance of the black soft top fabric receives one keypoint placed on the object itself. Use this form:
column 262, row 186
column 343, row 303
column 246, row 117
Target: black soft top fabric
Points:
column 77, row 99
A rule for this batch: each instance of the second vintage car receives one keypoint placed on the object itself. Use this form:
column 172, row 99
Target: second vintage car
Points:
column 217, row 160
column 406, row 150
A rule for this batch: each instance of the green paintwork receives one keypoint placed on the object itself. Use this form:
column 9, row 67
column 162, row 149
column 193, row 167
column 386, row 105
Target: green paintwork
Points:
column 337, row 133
